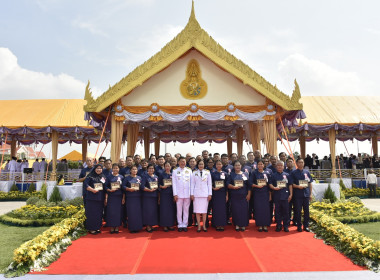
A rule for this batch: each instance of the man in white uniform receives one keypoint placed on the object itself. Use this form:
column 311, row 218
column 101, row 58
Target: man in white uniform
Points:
column 42, row 168
column 182, row 180
column 12, row 167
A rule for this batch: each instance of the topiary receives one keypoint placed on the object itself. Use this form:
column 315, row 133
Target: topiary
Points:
column 44, row 191
column 355, row 199
column 329, row 194
column 41, row 202
column 32, row 200
column 14, row 188
column 55, row 196
column 32, row 188
column 78, row 201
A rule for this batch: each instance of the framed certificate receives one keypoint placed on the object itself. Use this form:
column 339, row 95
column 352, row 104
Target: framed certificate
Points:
column 304, row 183
column 239, row 183
column 281, row 184
column 153, row 185
column 219, row 184
column 167, row 182
column 261, row 182
column 135, row 186
column 98, row 186
column 115, row 185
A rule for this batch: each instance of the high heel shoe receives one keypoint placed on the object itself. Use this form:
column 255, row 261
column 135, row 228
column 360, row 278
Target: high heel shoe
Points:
column 205, row 229
column 199, row 230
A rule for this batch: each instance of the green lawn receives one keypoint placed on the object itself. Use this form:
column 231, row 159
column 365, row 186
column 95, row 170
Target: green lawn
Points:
column 12, row 237
column 371, row 230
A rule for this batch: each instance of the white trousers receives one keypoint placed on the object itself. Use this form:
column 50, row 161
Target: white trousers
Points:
column 183, row 205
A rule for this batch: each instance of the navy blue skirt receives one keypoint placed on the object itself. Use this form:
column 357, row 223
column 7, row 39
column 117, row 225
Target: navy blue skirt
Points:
column 239, row 209
column 167, row 210
column 114, row 210
column 261, row 206
column 150, row 210
column 94, row 214
column 219, row 213
column 134, row 213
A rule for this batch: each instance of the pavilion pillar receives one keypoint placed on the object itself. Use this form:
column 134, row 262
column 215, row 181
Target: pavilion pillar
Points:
column 332, row 139
column 270, row 136
column 229, row 145
column 54, row 148
column 375, row 149
column 132, row 137
column 239, row 140
column 13, row 147
column 147, row 142
column 157, row 143
column 84, row 150
column 302, row 140
column 117, row 128
column 255, row 135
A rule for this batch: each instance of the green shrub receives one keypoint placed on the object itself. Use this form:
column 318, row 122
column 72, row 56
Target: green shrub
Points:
column 55, row 196
column 41, row 202
column 342, row 185
column 329, row 194
column 355, row 199
column 32, row 200
column 14, row 188
column 326, row 200
column 63, row 203
column 78, row 201
column 44, row 191
column 32, row 188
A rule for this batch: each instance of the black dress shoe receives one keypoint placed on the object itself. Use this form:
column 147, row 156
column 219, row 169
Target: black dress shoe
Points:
column 198, row 230
column 242, row 229
column 171, row 229
column 180, row 229
column 260, row 229
column 306, row 229
column 229, row 223
column 205, row 229
column 299, row 229
column 185, row 229
column 286, row 229
column 265, row 229
column 166, row 229
column 278, row 229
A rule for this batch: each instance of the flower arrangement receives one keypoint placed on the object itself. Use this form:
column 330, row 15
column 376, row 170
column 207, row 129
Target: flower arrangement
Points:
column 45, row 248
column 342, row 209
column 359, row 192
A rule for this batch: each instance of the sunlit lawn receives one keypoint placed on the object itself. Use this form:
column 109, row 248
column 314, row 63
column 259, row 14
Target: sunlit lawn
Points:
column 371, row 230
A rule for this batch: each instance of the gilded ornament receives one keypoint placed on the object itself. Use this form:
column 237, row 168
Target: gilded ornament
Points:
column 193, row 87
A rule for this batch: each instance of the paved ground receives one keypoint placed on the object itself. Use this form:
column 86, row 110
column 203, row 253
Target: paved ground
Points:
column 8, row 206
column 373, row 204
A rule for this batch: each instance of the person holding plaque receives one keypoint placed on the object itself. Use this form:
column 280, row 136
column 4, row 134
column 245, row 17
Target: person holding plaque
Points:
column 131, row 186
column 150, row 199
column 240, row 196
column 115, row 199
column 219, row 196
column 167, row 205
column 94, row 186
column 281, row 184
column 259, row 180
column 201, row 193
column 302, row 192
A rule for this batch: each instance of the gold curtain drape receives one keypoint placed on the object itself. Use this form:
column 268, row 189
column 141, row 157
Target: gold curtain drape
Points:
column 239, row 140
column 54, row 148
column 270, row 136
column 255, row 135
column 375, row 148
column 132, row 137
column 157, row 146
column 84, row 150
column 117, row 128
column 229, row 145
column 13, row 148
column 146, row 142
column 332, row 138
column 302, row 140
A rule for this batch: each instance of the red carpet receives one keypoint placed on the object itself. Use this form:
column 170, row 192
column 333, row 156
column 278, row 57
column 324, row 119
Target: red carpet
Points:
column 205, row 252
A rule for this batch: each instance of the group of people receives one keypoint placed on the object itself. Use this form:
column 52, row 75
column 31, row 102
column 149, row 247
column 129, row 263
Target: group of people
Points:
column 167, row 191
column 360, row 161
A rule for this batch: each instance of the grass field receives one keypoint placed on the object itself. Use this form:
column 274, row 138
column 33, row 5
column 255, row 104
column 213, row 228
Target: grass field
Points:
column 371, row 230
column 11, row 237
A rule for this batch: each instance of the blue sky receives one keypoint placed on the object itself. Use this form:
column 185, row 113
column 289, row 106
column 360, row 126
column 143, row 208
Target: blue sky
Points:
column 50, row 48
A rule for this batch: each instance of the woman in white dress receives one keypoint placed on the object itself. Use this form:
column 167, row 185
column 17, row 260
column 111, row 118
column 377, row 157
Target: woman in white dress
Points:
column 201, row 191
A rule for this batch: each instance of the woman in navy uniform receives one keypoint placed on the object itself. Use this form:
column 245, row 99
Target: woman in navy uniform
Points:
column 240, row 195
column 219, row 197
column 131, row 186
column 94, row 186
column 115, row 198
column 150, row 199
column 260, row 188
column 167, row 204
column 281, row 184
column 201, row 193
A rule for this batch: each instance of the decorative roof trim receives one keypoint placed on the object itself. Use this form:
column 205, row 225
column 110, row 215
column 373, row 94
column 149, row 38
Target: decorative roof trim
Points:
column 192, row 36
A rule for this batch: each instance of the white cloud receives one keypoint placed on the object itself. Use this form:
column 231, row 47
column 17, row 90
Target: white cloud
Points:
column 318, row 78
column 19, row 83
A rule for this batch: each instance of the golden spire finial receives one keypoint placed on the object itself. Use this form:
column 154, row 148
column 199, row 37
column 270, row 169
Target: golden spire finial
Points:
column 192, row 15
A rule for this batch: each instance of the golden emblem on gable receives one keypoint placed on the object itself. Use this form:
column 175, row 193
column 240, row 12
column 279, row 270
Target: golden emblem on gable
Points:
column 193, row 87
